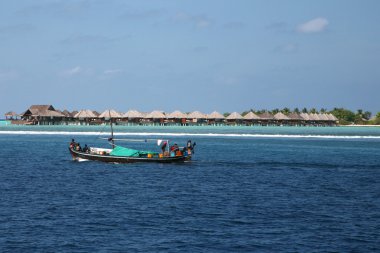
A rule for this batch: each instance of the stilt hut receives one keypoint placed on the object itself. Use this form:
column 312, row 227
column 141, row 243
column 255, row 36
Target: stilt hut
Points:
column 133, row 117
column 315, row 120
column 42, row 115
column 155, row 117
column 108, row 115
column 234, row 119
column 177, row 118
column 196, row 118
column 86, row 117
column 266, row 118
column 332, row 118
column 306, row 118
column 251, row 118
column 295, row 119
column 68, row 118
column 11, row 116
column 215, row 118
column 324, row 119
column 281, row 119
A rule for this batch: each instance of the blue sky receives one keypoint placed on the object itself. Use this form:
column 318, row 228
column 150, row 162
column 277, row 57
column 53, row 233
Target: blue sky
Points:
column 190, row 55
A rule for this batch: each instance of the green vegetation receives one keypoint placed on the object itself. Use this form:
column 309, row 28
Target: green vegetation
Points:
column 345, row 116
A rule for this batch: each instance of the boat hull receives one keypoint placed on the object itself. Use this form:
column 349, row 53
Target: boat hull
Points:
column 124, row 159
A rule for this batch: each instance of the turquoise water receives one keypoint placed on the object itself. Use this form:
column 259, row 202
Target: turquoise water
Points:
column 247, row 189
column 244, row 131
column 4, row 122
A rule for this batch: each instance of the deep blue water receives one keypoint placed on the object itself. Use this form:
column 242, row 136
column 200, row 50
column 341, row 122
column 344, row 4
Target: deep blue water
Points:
column 239, row 194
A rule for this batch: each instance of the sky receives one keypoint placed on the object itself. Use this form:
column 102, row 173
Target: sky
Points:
column 184, row 55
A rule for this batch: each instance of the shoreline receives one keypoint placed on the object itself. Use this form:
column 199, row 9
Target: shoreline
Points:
column 359, row 125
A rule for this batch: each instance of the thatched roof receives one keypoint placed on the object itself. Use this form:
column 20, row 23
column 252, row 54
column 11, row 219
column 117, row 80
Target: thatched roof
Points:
column 281, row 116
column 266, row 116
column 332, row 117
column 177, row 115
column 110, row 114
column 42, row 111
column 251, row 116
column 295, row 116
column 11, row 114
column 96, row 113
column 42, row 107
column 85, row 114
column 67, row 113
column 155, row 115
column 215, row 115
column 196, row 115
column 234, row 116
column 324, row 117
column 131, row 114
column 73, row 113
column 305, row 116
column 314, row 116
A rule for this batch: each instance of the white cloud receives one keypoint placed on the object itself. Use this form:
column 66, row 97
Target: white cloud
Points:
column 76, row 71
column 313, row 26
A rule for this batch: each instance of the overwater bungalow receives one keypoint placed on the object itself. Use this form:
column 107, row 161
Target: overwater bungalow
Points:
column 86, row 117
column 42, row 115
column 133, row 117
column 155, row 117
column 116, row 117
column 96, row 113
column 110, row 114
column 177, row 117
column 306, row 117
column 11, row 116
column 251, row 118
column 234, row 119
column 295, row 119
column 215, row 118
column 332, row 118
column 48, row 115
column 266, row 118
column 281, row 118
column 196, row 118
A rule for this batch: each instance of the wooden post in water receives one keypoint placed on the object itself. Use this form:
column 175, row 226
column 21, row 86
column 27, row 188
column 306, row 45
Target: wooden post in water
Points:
column 113, row 142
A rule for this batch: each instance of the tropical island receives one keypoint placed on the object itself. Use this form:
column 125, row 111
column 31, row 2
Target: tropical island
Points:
column 48, row 115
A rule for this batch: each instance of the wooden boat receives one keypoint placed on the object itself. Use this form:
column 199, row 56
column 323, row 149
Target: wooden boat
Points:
column 105, row 155
column 119, row 154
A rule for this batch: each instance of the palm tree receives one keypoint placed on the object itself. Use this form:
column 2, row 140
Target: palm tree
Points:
column 367, row 115
column 286, row 110
column 296, row 110
column 304, row 110
column 274, row 111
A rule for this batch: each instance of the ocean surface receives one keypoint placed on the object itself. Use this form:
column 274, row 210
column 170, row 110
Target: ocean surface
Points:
column 248, row 189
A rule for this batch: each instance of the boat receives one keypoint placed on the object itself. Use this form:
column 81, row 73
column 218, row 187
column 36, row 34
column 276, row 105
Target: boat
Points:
column 119, row 154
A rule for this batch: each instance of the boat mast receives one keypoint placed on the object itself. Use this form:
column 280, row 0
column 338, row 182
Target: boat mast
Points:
column 113, row 142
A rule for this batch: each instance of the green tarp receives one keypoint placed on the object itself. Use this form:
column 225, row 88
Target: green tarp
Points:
column 121, row 151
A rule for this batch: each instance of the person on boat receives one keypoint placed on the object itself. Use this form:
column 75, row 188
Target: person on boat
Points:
column 174, row 147
column 72, row 143
column 78, row 147
column 190, row 146
column 86, row 149
column 163, row 147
